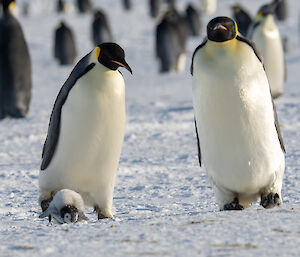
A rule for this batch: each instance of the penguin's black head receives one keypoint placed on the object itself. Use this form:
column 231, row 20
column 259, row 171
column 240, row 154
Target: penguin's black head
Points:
column 221, row 29
column 69, row 214
column 8, row 4
column 268, row 9
column 112, row 56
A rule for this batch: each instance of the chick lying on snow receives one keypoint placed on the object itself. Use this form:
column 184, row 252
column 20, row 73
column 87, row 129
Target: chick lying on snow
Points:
column 67, row 206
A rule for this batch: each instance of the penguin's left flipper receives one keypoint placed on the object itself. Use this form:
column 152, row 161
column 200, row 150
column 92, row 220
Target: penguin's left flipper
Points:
column 233, row 206
column 198, row 144
column 270, row 200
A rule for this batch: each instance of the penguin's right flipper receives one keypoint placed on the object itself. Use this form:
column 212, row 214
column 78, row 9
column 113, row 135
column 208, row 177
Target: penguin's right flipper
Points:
column 198, row 144
column 81, row 68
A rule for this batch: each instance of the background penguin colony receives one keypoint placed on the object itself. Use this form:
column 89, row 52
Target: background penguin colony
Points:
column 172, row 32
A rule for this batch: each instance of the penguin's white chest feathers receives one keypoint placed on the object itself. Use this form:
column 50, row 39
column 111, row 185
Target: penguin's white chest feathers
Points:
column 235, row 119
column 91, row 133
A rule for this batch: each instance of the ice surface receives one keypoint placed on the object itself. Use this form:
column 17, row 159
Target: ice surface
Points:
column 164, row 205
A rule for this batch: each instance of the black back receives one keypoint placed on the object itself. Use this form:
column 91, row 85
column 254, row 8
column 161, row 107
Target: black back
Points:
column 127, row 4
column 84, row 6
column 100, row 29
column 64, row 45
column 243, row 20
column 193, row 20
column 81, row 68
column 154, row 6
column 15, row 69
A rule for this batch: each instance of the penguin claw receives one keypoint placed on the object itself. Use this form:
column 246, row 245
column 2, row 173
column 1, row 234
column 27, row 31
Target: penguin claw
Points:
column 270, row 200
column 233, row 206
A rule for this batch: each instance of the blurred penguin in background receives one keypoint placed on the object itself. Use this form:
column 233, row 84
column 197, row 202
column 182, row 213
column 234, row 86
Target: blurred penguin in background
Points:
column 100, row 29
column 26, row 10
column 15, row 66
column 84, row 6
column 209, row 6
column 265, row 34
column 242, row 18
column 154, row 6
column 60, row 6
column 193, row 20
column 171, row 3
column 171, row 36
column 281, row 10
column 64, row 45
column 127, row 5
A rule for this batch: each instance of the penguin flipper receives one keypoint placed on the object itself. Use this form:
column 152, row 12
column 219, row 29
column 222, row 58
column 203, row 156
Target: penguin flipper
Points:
column 198, row 144
column 81, row 68
column 277, row 127
column 200, row 46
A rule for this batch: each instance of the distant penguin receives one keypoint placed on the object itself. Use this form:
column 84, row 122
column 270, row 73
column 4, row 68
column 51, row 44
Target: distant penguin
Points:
column 266, row 36
column 237, row 130
column 60, row 6
column 86, row 131
column 64, row 45
column 242, row 18
column 171, row 36
column 67, row 206
column 193, row 19
column 281, row 10
column 100, row 28
column 15, row 67
column 84, row 6
column 209, row 7
column 171, row 3
column 127, row 4
column 154, row 7
column 26, row 10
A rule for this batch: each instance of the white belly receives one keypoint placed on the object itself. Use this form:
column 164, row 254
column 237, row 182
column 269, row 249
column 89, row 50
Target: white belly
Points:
column 91, row 135
column 234, row 114
column 268, row 42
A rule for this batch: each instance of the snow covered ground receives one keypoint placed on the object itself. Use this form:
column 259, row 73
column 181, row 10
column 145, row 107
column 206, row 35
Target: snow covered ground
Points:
column 164, row 205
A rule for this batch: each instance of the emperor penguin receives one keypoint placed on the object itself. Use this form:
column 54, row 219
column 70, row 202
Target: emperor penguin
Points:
column 127, row 5
column 67, row 206
column 86, row 131
column 15, row 67
column 266, row 35
column 242, row 18
column 209, row 6
column 64, row 45
column 100, row 28
column 154, row 7
column 84, row 6
column 237, row 130
column 192, row 17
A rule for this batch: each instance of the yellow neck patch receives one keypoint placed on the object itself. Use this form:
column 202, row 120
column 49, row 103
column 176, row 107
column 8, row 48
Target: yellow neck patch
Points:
column 98, row 50
column 11, row 6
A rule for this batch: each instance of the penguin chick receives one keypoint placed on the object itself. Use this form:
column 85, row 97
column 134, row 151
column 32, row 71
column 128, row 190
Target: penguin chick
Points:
column 237, row 130
column 67, row 206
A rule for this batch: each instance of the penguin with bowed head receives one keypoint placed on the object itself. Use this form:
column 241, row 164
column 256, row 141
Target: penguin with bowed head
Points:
column 171, row 37
column 154, row 7
column 64, row 45
column 242, row 18
column 15, row 67
column 100, row 28
column 86, row 131
column 237, row 130
column 265, row 33
column 193, row 19
column 67, row 206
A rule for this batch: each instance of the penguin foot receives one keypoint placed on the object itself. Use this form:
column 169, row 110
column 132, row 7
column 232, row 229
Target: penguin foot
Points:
column 270, row 200
column 233, row 206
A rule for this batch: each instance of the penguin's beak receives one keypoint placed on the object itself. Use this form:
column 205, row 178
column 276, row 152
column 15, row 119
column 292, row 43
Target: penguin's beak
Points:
column 124, row 64
column 219, row 26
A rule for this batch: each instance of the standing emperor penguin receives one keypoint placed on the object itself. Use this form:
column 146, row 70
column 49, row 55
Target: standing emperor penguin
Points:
column 242, row 18
column 236, row 121
column 101, row 32
column 86, row 131
column 193, row 18
column 84, row 6
column 154, row 7
column 266, row 35
column 127, row 5
column 64, row 45
column 15, row 66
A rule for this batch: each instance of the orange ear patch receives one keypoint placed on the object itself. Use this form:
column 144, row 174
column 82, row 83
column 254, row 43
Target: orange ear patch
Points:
column 98, row 50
